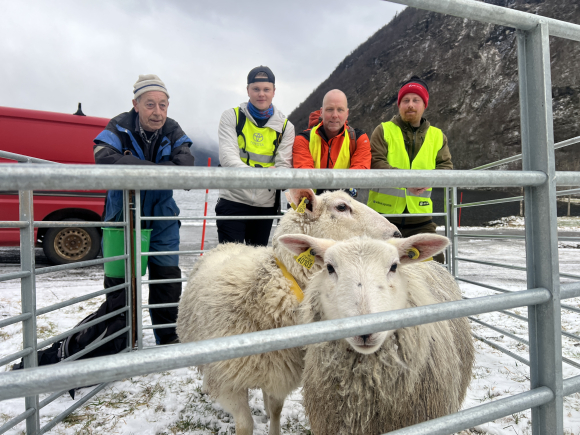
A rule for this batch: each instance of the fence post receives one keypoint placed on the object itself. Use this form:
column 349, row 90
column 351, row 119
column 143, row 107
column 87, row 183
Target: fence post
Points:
column 455, row 239
column 28, row 296
column 128, row 290
column 138, row 286
column 541, row 225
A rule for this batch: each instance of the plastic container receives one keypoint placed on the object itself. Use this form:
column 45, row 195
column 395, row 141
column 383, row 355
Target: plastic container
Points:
column 113, row 245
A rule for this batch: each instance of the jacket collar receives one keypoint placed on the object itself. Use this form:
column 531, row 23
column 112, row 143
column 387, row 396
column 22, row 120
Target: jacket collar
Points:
column 322, row 133
column 276, row 121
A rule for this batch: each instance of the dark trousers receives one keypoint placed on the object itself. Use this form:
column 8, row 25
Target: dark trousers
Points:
column 421, row 228
column 250, row 232
column 158, row 294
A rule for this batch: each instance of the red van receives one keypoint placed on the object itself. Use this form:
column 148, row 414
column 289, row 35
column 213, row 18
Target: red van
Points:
column 61, row 138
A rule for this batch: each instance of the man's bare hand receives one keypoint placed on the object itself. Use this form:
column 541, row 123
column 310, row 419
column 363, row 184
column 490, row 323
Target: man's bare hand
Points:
column 416, row 190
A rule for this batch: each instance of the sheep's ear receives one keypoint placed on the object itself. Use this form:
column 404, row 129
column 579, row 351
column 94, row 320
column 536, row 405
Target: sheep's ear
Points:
column 419, row 247
column 299, row 243
column 295, row 196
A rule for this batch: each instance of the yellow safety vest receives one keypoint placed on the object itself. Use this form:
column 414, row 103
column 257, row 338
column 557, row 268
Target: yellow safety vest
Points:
column 258, row 145
column 343, row 160
column 393, row 200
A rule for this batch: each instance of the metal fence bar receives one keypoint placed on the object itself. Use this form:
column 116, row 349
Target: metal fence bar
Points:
column 490, row 236
column 488, row 13
column 167, row 305
column 544, row 324
column 24, row 159
column 87, row 224
column 106, row 177
column 115, row 367
column 500, row 330
column 80, row 328
column 14, row 275
column 567, row 178
column 517, row 157
column 130, row 254
column 15, row 319
column 60, row 417
column 159, row 253
column 13, row 224
column 480, row 414
column 163, row 281
column 78, row 299
column 77, row 265
column 571, row 385
column 480, row 284
column 502, row 349
column 11, row 423
column 97, row 344
column 14, row 356
column 491, row 201
column 165, row 325
column 490, row 263
column 570, row 290
column 28, row 300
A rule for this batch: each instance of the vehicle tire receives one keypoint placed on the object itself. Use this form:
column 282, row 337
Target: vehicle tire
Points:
column 71, row 244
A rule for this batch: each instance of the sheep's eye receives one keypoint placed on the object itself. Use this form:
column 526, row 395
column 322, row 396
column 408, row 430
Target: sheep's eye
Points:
column 394, row 267
column 341, row 207
column 330, row 268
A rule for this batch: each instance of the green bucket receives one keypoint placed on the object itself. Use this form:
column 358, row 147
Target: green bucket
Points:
column 114, row 244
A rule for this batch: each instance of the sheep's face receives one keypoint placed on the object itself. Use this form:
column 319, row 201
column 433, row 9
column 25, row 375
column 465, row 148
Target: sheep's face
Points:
column 334, row 215
column 362, row 276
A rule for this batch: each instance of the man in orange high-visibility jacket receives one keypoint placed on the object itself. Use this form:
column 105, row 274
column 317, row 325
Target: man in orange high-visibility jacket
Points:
column 329, row 142
column 408, row 141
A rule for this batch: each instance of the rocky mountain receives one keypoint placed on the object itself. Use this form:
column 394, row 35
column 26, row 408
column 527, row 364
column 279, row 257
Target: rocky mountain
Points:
column 471, row 70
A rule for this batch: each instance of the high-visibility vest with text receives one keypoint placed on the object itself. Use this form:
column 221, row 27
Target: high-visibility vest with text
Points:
column 343, row 160
column 393, row 200
column 258, row 145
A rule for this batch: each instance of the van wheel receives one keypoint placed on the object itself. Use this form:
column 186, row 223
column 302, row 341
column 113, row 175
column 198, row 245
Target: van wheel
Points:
column 69, row 245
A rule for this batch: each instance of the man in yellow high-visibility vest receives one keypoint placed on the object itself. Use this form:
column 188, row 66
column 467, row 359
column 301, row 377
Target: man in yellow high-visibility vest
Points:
column 408, row 141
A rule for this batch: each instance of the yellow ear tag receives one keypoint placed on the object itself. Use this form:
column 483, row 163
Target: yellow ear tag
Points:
column 413, row 253
column 302, row 207
column 293, row 206
column 306, row 259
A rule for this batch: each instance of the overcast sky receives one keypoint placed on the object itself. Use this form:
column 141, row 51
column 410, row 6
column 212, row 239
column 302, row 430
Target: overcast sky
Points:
column 54, row 54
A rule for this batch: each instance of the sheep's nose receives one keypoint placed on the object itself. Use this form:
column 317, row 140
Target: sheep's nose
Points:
column 397, row 234
column 365, row 338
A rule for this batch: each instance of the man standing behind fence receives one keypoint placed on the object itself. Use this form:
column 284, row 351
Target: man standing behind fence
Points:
column 408, row 141
column 254, row 135
column 146, row 136
column 329, row 142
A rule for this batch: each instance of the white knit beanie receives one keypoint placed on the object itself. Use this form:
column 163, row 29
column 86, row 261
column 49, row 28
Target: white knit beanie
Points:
column 146, row 83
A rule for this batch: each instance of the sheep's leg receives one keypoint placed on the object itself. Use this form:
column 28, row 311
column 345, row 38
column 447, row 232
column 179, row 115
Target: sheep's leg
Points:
column 274, row 410
column 236, row 403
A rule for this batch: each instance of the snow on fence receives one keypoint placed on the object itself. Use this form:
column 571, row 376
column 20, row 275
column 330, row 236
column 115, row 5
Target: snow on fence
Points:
column 542, row 297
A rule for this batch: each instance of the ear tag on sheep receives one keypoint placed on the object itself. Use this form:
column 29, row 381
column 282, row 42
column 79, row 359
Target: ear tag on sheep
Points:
column 306, row 259
column 302, row 206
column 293, row 206
column 413, row 253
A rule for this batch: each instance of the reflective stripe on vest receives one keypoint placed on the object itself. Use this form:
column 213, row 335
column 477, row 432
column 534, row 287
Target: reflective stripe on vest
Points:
column 393, row 200
column 258, row 144
column 343, row 160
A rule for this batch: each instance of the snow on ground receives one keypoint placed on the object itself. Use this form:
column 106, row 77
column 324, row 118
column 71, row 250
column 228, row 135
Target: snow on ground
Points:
column 172, row 402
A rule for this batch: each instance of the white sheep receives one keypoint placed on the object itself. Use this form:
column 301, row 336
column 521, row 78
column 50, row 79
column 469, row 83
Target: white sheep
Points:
column 236, row 289
column 379, row 382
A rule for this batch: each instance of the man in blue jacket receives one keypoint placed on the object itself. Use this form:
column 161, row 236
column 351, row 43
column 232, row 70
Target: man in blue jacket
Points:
column 146, row 136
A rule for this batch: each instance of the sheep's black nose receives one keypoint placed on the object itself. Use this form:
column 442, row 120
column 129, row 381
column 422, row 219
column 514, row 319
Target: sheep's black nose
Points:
column 365, row 338
column 397, row 234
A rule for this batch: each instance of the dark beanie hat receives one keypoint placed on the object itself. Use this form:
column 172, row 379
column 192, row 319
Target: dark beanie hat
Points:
column 261, row 69
column 416, row 86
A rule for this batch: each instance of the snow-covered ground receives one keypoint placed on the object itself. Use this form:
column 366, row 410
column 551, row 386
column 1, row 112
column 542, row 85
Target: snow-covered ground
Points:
column 172, row 402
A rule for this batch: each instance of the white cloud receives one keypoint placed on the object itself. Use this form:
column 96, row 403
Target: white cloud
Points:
column 55, row 54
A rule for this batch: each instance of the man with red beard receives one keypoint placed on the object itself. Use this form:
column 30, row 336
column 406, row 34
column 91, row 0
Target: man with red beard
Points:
column 409, row 141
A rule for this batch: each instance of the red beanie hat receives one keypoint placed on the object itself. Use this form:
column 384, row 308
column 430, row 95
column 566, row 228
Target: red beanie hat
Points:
column 415, row 86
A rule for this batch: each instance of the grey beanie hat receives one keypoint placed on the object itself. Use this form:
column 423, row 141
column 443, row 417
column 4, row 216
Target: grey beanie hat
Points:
column 147, row 83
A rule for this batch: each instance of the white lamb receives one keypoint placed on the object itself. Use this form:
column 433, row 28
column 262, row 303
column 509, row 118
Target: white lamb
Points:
column 236, row 289
column 376, row 383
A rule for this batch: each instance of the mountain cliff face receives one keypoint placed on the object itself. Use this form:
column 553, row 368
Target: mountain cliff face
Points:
column 471, row 70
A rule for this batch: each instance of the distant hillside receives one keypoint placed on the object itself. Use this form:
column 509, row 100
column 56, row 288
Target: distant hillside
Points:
column 471, row 70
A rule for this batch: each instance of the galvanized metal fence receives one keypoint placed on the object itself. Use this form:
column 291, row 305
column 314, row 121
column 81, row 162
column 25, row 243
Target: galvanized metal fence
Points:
column 542, row 297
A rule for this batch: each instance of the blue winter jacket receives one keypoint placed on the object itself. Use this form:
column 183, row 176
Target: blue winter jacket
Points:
column 172, row 147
